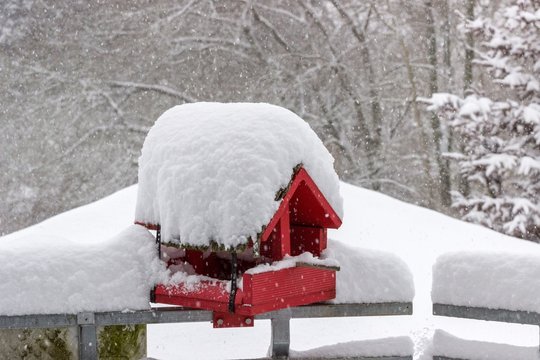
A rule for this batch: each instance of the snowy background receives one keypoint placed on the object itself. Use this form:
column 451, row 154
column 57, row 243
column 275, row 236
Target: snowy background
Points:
column 433, row 102
column 83, row 82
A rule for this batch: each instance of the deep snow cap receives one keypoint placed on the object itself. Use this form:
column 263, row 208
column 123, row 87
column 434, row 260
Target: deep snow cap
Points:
column 209, row 172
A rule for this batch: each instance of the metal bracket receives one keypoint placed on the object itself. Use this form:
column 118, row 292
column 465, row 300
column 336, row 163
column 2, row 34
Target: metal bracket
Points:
column 88, row 347
column 86, row 318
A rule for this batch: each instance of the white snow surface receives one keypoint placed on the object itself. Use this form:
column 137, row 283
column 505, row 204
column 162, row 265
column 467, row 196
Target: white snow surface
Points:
column 395, row 346
column 209, row 172
column 291, row 261
column 369, row 276
column 374, row 221
column 446, row 344
column 494, row 280
column 48, row 274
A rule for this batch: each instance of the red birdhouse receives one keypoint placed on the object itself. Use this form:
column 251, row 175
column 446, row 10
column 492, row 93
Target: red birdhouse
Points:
column 279, row 268
column 299, row 225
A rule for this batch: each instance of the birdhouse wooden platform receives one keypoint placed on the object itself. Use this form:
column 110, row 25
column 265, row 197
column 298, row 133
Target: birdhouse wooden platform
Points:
column 299, row 225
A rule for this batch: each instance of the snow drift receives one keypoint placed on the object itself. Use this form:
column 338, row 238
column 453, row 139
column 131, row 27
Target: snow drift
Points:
column 493, row 280
column 47, row 275
column 448, row 345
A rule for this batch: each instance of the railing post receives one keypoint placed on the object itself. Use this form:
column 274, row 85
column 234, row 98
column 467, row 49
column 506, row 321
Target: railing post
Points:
column 87, row 336
column 281, row 334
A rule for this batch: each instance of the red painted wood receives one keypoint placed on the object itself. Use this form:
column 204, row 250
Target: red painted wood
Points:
column 275, row 286
column 227, row 320
column 299, row 225
column 278, row 243
column 308, row 239
column 215, row 265
column 284, row 247
column 196, row 259
column 290, row 301
column 308, row 206
column 209, row 295
column 261, row 292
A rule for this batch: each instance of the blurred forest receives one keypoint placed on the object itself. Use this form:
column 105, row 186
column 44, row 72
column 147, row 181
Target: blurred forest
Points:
column 82, row 82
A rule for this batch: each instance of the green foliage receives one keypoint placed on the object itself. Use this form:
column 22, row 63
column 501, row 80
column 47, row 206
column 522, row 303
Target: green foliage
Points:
column 122, row 342
column 34, row 344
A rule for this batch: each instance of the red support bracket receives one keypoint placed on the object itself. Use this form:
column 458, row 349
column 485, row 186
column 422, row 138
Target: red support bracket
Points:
column 227, row 320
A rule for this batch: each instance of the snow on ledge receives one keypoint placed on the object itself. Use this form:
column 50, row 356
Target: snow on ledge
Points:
column 394, row 346
column 445, row 344
column 49, row 275
column 209, row 172
column 369, row 276
column 292, row 261
column 488, row 279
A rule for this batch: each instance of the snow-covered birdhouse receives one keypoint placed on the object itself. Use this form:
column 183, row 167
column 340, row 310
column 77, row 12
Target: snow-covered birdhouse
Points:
column 241, row 196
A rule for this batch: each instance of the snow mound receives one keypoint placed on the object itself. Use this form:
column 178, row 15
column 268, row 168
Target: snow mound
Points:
column 394, row 346
column 90, row 223
column 445, row 344
column 369, row 276
column 493, row 280
column 47, row 275
column 209, row 172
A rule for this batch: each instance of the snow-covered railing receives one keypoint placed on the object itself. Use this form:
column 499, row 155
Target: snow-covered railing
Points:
column 481, row 313
column 87, row 323
column 488, row 286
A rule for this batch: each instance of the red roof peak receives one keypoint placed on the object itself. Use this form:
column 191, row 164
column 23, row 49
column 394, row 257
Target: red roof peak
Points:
column 305, row 204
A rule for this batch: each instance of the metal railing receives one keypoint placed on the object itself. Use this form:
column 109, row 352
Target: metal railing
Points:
column 480, row 313
column 88, row 322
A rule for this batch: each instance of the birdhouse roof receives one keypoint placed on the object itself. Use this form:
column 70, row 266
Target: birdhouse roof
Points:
column 211, row 174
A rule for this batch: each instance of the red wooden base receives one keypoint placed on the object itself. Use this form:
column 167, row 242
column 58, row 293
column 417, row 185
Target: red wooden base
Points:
column 261, row 293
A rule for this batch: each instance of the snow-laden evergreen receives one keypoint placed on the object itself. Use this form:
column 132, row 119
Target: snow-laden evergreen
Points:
column 501, row 137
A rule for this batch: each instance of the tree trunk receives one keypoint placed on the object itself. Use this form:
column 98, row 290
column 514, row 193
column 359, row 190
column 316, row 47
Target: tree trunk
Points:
column 368, row 141
column 447, row 44
column 443, row 182
column 463, row 185
column 424, row 154
column 374, row 98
